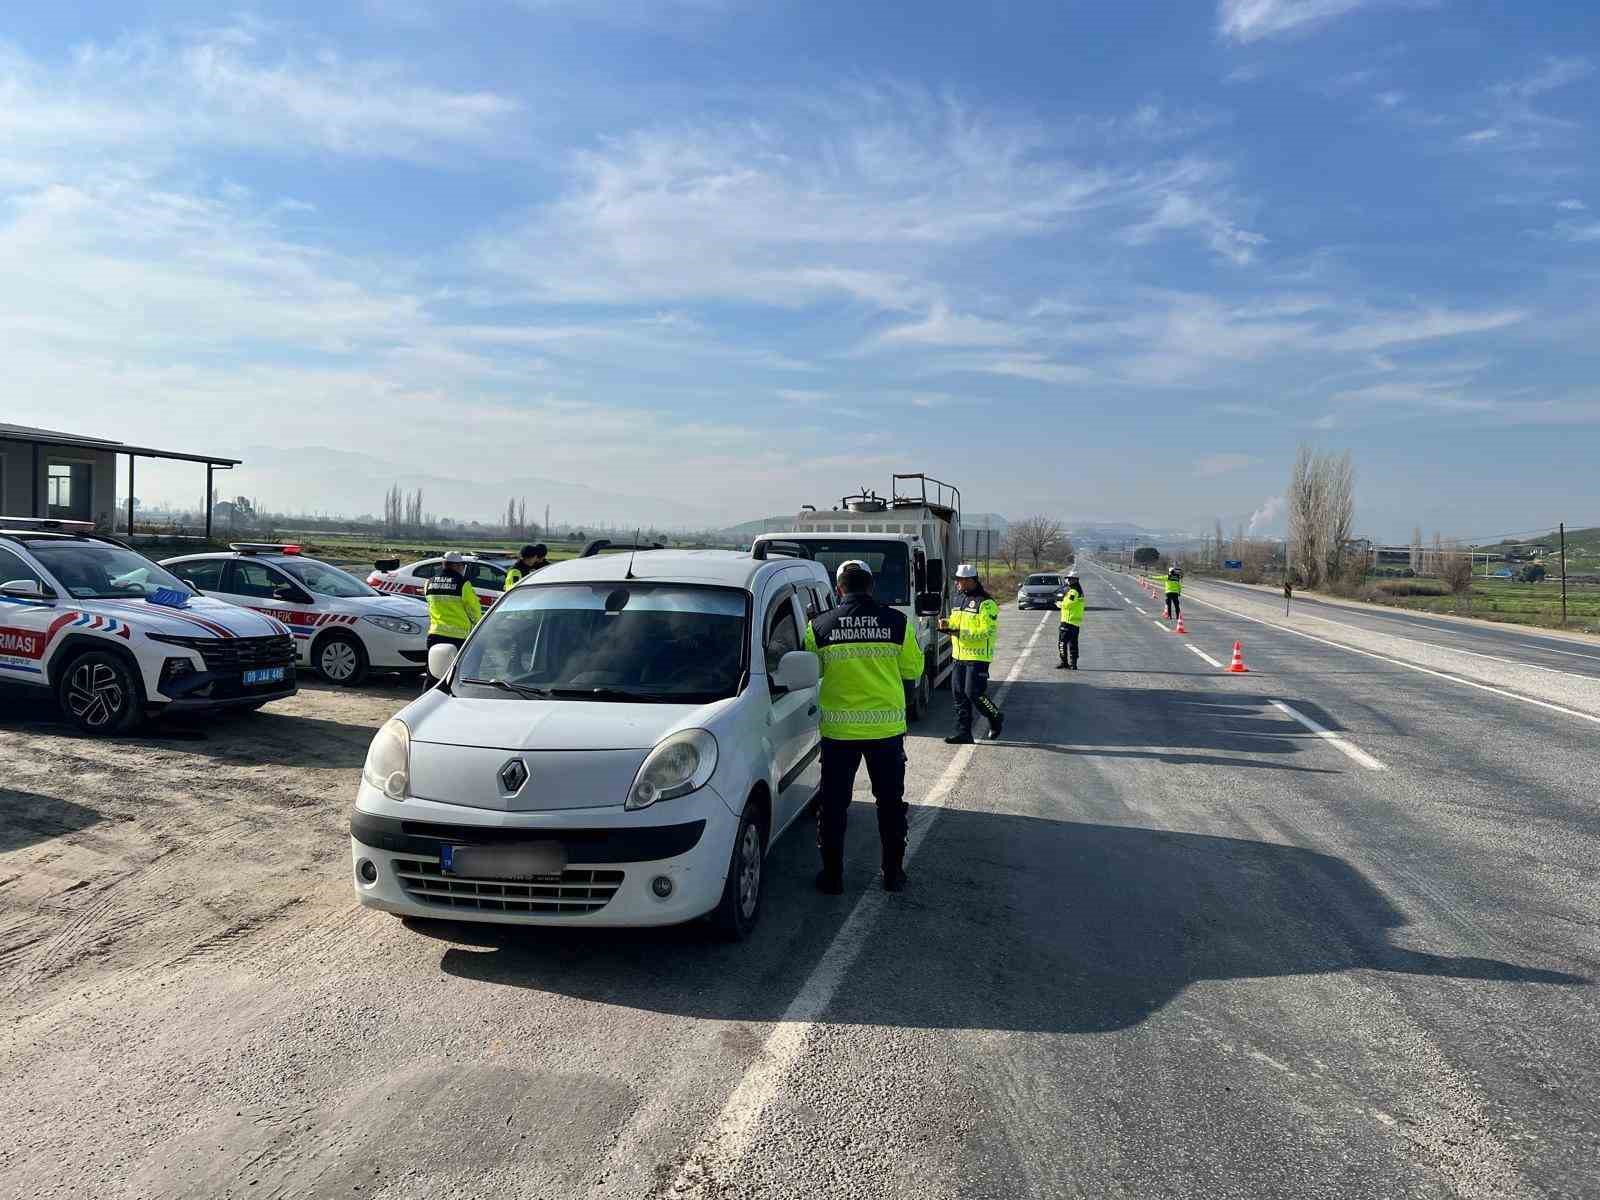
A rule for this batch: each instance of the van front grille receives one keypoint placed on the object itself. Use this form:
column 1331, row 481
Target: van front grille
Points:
column 575, row 893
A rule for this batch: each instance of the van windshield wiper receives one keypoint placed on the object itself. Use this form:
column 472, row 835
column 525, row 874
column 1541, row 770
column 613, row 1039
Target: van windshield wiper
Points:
column 519, row 689
column 610, row 693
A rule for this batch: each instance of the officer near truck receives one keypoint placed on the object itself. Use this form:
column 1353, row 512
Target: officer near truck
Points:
column 972, row 625
column 868, row 653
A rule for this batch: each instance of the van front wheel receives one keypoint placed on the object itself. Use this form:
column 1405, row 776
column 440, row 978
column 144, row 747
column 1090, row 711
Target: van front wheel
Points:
column 740, row 907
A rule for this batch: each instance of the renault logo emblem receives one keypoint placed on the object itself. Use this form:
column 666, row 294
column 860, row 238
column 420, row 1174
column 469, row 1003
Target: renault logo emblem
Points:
column 513, row 775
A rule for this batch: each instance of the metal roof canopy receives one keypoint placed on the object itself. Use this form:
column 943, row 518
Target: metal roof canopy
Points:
column 29, row 436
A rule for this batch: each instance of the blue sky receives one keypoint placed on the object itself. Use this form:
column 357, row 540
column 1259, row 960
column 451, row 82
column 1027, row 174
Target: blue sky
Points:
column 1103, row 261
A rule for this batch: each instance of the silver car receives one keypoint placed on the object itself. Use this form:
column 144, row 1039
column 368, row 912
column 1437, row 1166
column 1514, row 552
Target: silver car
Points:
column 1041, row 591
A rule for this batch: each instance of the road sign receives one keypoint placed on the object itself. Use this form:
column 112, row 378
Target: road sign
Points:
column 1233, row 564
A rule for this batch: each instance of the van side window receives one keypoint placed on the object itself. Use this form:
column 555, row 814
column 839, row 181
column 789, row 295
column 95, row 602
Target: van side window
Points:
column 782, row 634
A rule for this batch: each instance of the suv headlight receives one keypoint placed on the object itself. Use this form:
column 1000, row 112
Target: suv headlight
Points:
column 388, row 765
column 679, row 764
column 394, row 624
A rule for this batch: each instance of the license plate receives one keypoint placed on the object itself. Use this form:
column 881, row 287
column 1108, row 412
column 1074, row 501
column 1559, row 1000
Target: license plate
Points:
column 265, row 675
column 523, row 860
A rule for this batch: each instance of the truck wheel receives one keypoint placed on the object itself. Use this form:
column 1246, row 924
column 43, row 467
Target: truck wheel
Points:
column 99, row 694
column 341, row 659
column 740, row 907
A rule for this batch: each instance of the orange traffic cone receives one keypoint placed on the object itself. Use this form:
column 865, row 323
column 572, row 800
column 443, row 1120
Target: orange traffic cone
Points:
column 1237, row 667
column 1179, row 627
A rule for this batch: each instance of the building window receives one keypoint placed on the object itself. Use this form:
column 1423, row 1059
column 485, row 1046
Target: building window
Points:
column 68, row 490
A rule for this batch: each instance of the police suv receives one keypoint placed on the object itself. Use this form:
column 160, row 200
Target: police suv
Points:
column 117, row 638
column 342, row 628
column 618, row 743
column 486, row 574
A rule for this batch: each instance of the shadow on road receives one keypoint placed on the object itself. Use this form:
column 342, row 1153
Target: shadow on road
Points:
column 28, row 817
column 1012, row 923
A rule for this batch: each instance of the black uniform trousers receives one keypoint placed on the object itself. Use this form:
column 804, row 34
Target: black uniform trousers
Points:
column 969, row 684
column 1067, row 642
column 1173, row 605
column 886, row 767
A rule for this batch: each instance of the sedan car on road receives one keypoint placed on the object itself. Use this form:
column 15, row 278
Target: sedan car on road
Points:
column 618, row 743
column 1041, row 591
column 342, row 628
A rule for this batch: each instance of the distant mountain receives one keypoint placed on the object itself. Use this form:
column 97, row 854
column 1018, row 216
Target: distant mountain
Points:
column 320, row 479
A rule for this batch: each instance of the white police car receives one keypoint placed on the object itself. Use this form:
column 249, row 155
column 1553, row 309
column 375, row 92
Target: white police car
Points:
column 117, row 638
column 342, row 628
column 617, row 743
column 486, row 574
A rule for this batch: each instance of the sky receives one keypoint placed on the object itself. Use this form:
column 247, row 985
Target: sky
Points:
column 1102, row 261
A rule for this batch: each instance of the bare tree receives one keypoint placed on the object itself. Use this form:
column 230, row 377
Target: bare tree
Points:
column 1321, row 500
column 1040, row 537
column 1216, row 560
column 1304, row 500
column 1416, row 549
column 522, row 518
column 1455, row 569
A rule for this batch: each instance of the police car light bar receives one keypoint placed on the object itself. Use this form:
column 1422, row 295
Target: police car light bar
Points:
column 47, row 524
column 264, row 547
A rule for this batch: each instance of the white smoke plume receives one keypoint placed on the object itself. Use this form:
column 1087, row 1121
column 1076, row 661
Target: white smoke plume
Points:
column 1269, row 510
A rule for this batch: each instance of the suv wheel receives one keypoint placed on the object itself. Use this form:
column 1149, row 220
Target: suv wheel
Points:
column 341, row 659
column 99, row 694
column 736, row 914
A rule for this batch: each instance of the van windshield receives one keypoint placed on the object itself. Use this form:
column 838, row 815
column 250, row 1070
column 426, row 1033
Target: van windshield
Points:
column 890, row 563
column 664, row 643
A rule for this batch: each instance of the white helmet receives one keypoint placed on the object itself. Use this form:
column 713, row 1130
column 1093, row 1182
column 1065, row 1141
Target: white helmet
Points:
column 966, row 571
column 851, row 564
column 453, row 556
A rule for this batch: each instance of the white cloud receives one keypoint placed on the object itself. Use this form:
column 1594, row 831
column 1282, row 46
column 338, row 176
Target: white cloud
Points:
column 1575, row 232
column 1181, row 211
column 240, row 86
column 1253, row 20
column 942, row 328
column 1401, row 328
column 1212, row 465
column 1572, row 205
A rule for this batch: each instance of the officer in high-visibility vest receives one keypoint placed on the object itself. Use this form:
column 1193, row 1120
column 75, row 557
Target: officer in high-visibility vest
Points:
column 972, row 626
column 1071, row 623
column 453, row 607
column 1174, row 589
column 868, row 653
column 533, row 558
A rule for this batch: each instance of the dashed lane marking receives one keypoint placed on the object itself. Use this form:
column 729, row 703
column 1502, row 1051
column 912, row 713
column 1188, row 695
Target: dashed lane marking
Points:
column 729, row 1139
column 1332, row 738
column 1204, row 655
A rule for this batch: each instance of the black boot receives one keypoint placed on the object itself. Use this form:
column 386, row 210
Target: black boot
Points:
column 1062, row 666
column 995, row 726
column 894, row 877
column 831, row 883
column 959, row 739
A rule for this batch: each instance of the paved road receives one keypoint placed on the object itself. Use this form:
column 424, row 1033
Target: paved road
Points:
column 1162, row 941
column 1511, row 642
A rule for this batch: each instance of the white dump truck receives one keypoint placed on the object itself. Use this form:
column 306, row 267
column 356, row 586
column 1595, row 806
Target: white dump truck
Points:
column 912, row 541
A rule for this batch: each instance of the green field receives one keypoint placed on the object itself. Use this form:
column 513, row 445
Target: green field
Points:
column 1506, row 600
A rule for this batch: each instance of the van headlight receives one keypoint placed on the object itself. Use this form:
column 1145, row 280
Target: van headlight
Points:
column 388, row 765
column 679, row 764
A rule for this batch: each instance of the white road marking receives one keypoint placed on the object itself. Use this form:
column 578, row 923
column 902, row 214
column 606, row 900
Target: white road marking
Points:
column 1400, row 662
column 1156, row 621
column 1355, row 752
column 1204, row 655
column 728, row 1140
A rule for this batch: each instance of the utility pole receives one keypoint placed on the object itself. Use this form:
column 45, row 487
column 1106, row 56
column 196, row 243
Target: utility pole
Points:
column 1563, row 574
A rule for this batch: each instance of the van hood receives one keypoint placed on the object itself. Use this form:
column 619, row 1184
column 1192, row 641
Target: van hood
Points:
column 517, row 724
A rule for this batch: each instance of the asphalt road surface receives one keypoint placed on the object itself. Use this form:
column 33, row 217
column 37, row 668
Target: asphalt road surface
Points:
column 1512, row 642
column 1166, row 939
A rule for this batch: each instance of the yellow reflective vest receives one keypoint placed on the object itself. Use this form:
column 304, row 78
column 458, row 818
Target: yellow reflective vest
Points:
column 973, row 624
column 1072, row 607
column 517, row 572
column 1174, row 586
column 868, row 653
column 453, row 607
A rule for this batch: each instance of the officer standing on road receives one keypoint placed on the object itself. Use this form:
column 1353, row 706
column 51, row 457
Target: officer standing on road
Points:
column 533, row 558
column 1071, row 623
column 453, row 607
column 972, row 625
column 868, row 653
column 1174, row 590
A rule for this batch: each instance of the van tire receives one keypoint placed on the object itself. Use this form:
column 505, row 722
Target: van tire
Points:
column 100, row 694
column 739, row 910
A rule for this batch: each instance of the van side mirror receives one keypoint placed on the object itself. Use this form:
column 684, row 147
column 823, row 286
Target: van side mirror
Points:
column 929, row 604
column 441, row 658
column 797, row 671
column 25, row 589
column 936, row 575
